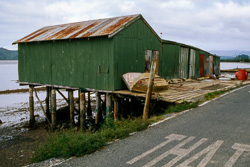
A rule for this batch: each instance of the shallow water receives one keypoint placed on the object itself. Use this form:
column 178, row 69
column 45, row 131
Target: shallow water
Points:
column 9, row 75
column 228, row 65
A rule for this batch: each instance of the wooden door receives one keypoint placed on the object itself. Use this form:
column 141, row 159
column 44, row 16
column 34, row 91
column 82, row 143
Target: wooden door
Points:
column 192, row 64
column 202, row 62
column 183, row 63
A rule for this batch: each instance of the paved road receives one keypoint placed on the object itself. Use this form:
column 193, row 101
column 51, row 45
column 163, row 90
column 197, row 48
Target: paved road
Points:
column 214, row 135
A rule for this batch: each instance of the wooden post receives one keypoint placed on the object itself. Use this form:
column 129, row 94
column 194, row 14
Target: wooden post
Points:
column 116, row 109
column 98, row 108
column 31, row 107
column 108, row 104
column 89, row 110
column 149, row 90
column 71, row 107
column 79, row 94
column 53, row 112
column 47, row 100
column 82, row 111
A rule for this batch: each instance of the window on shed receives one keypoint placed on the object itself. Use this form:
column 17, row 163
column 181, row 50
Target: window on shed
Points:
column 149, row 56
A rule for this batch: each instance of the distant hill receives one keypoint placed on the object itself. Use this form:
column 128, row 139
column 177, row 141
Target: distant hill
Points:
column 226, row 57
column 228, row 54
column 6, row 54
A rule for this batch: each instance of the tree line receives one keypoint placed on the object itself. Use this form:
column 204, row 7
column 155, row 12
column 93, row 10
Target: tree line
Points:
column 239, row 58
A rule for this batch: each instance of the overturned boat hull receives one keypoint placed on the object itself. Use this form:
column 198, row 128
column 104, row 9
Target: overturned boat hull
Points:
column 139, row 81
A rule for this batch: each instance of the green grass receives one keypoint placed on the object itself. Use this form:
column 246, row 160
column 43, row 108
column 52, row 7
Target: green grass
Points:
column 70, row 143
column 215, row 94
column 180, row 107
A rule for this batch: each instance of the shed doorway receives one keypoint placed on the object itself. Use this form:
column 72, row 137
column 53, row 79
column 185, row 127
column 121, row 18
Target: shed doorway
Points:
column 202, row 62
column 192, row 64
column 149, row 56
column 183, row 63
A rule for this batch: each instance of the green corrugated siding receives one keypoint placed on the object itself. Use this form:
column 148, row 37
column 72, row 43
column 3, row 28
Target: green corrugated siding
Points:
column 170, row 61
column 130, row 45
column 78, row 63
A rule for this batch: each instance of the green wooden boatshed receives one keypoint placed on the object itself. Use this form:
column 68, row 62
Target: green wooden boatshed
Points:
column 179, row 60
column 90, row 54
column 85, row 56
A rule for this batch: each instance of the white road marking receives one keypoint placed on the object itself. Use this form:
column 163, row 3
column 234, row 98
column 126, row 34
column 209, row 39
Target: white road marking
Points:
column 176, row 151
column 181, row 153
column 210, row 151
column 170, row 138
column 240, row 148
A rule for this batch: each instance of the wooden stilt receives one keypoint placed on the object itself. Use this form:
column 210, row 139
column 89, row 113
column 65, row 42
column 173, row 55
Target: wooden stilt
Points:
column 89, row 110
column 108, row 104
column 47, row 101
column 79, row 94
column 116, row 108
column 98, row 108
column 71, row 107
column 31, row 106
column 82, row 111
column 104, row 106
column 53, row 112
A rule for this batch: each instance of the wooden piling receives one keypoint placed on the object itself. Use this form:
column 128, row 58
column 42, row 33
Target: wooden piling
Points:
column 47, row 101
column 71, row 107
column 82, row 111
column 116, row 108
column 53, row 112
column 31, row 106
column 98, row 108
column 108, row 104
column 89, row 110
column 149, row 90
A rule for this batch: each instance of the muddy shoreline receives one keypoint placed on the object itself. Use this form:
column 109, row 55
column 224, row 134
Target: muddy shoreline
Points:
column 21, row 90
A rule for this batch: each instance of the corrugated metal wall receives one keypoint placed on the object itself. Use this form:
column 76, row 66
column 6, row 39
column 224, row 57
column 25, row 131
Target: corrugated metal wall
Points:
column 96, row 63
column 170, row 61
column 130, row 45
column 78, row 63
column 217, row 65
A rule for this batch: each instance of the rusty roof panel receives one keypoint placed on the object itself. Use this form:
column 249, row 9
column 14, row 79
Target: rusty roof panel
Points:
column 91, row 28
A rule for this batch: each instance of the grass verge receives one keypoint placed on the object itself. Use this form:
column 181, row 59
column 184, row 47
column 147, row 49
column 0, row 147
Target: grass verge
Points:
column 180, row 107
column 212, row 95
column 70, row 143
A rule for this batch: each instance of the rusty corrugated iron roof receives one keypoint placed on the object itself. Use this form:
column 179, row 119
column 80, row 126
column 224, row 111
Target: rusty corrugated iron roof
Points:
column 91, row 28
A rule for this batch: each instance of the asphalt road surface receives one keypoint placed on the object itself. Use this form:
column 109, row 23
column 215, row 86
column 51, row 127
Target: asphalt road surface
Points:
column 216, row 134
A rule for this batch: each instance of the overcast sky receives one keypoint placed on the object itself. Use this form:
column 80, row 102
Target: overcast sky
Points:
column 207, row 24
